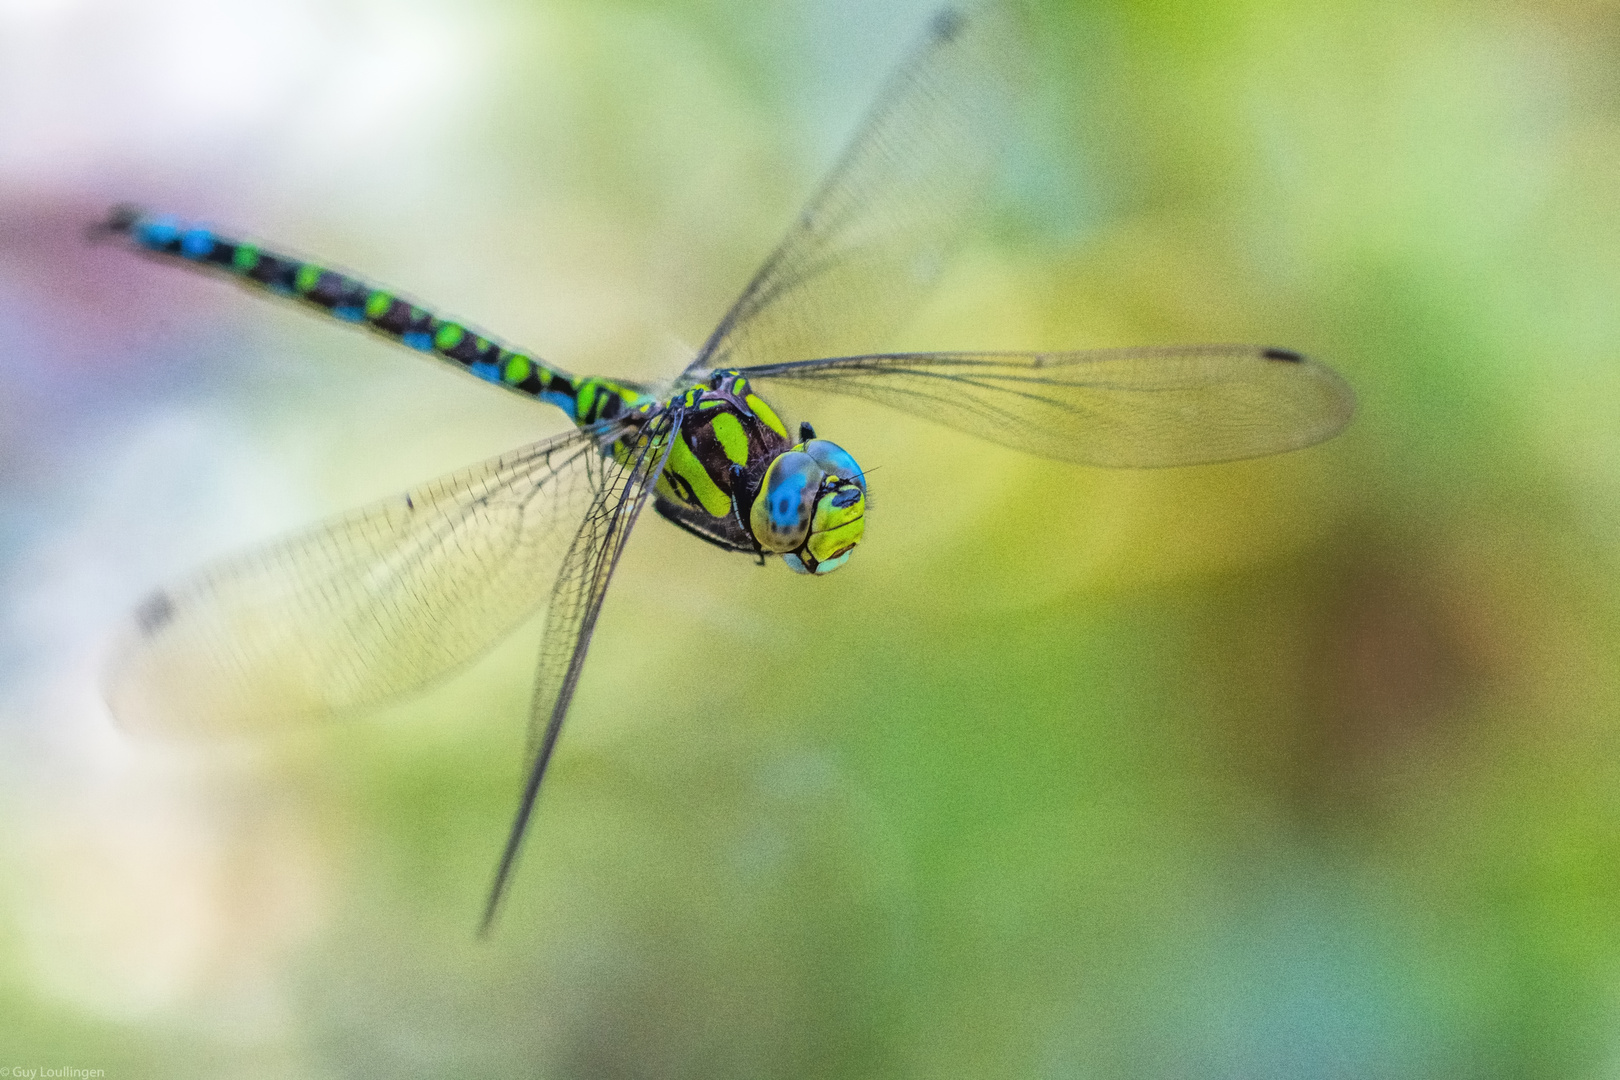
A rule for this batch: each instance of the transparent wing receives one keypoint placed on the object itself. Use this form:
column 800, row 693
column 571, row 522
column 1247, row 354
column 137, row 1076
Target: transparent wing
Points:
column 875, row 236
column 1123, row 408
column 571, row 615
column 365, row 606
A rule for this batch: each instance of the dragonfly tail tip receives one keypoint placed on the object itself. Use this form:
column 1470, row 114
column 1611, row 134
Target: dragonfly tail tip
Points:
column 119, row 220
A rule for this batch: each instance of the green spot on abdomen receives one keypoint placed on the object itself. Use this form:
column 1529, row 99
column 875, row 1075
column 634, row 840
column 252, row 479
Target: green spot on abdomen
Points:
column 308, row 276
column 518, row 368
column 448, row 336
column 585, row 399
column 378, row 303
column 245, row 259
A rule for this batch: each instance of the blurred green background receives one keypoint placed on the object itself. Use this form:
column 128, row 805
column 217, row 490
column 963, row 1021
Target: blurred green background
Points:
column 1296, row 768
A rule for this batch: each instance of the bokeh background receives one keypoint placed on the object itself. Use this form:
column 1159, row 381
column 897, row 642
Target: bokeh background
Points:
column 1295, row 768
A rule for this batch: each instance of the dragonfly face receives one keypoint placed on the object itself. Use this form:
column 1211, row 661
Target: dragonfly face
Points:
column 735, row 479
column 812, row 510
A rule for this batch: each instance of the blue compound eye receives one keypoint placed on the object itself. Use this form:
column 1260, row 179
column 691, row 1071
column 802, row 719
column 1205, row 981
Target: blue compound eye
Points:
column 835, row 460
column 786, row 502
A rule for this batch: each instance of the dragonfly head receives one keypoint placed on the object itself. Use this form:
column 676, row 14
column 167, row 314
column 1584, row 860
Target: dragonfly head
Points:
column 811, row 507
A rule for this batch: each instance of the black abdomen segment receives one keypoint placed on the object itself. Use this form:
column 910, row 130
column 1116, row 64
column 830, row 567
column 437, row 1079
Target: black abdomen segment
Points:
column 377, row 309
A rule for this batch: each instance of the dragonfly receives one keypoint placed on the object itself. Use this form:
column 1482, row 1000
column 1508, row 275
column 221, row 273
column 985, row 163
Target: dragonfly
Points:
column 380, row 601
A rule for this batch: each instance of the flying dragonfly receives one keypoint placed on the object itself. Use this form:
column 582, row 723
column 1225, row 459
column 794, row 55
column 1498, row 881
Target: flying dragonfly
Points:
column 380, row 601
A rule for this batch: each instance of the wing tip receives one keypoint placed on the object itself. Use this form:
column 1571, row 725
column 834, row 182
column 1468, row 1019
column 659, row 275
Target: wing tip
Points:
column 1343, row 404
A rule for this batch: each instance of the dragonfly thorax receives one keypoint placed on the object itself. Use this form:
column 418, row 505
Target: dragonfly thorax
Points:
column 736, row 479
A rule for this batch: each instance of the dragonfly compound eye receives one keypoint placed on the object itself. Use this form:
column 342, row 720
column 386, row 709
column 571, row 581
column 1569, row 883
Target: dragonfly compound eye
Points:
column 836, row 461
column 781, row 515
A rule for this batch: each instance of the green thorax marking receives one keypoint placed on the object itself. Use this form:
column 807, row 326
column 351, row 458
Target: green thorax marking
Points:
column 727, row 440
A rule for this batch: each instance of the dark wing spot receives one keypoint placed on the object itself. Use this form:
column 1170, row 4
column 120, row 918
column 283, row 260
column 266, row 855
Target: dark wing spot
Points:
column 155, row 612
column 948, row 23
column 1287, row 355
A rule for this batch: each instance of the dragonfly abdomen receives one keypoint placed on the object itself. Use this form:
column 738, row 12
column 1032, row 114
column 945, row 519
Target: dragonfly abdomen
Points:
column 363, row 303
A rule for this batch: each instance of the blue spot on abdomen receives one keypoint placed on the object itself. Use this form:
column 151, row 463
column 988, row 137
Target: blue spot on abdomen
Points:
column 196, row 243
column 418, row 339
column 157, row 232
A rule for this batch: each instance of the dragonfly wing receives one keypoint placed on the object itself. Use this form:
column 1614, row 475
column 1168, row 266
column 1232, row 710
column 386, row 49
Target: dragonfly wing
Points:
column 576, row 600
column 1122, row 408
column 362, row 607
column 875, row 237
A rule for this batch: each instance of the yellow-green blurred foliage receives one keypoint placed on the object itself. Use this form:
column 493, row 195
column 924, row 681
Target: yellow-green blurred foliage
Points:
column 1298, row 768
